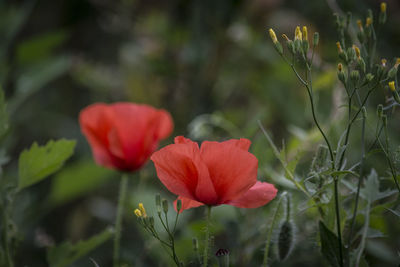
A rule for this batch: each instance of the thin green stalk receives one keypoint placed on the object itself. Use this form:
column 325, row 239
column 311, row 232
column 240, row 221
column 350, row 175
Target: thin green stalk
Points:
column 207, row 241
column 339, row 232
column 123, row 188
column 364, row 234
column 270, row 230
column 353, row 220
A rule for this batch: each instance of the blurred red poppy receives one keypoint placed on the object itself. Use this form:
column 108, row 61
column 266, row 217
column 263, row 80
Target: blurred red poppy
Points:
column 124, row 135
column 215, row 174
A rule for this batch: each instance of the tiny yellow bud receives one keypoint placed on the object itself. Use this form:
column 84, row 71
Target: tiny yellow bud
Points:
column 383, row 60
column 340, row 67
column 305, row 33
column 273, row 36
column 357, row 50
column 138, row 213
column 368, row 22
column 142, row 210
column 383, row 7
column 391, row 86
column 360, row 27
column 284, row 36
column 297, row 34
column 397, row 62
column 339, row 47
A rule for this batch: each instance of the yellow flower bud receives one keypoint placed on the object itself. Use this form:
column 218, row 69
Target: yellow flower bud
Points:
column 339, row 47
column 142, row 210
column 138, row 213
column 383, row 7
column 368, row 22
column 297, row 34
column 305, row 33
column 383, row 61
column 273, row 36
column 397, row 62
column 357, row 50
column 360, row 27
column 391, row 86
column 340, row 67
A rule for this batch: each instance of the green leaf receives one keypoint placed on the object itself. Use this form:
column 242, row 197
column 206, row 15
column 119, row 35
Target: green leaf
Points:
column 329, row 245
column 77, row 180
column 67, row 253
column 39, row 162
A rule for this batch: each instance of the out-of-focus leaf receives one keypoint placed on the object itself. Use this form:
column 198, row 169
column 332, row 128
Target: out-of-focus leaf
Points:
column 3, row 114
column 395, row 212
column 39, row 162
column 67, row 253
column 371, row 191
column 39, row 47
column 37, row 77
column 77, row 180
column 329, row 245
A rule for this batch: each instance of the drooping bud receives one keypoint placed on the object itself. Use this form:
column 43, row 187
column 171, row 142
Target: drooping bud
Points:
column 286, row 235
column 179, row 205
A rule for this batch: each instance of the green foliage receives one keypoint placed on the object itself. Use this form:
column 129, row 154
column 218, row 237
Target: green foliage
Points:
column 77, row 180
column 39, row 162
column 67, row 253
column 329, row 245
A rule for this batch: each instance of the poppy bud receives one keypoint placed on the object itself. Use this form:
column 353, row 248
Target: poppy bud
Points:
column 285, row 240
column 165, row 205
column 223, row 257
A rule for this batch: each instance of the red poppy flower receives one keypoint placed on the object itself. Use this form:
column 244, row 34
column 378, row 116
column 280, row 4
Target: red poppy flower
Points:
column 124, row 135
column 215, row 174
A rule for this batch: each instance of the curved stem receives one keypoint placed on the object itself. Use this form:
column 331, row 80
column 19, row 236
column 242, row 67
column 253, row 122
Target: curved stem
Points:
column 207, row 241
column 118, row 221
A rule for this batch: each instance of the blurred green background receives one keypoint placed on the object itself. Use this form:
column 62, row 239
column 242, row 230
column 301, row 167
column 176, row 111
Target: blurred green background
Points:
column 212, row 65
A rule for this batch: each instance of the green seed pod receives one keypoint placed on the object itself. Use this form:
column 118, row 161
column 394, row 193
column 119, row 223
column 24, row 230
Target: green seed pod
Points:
column 316, row 39
column 355, row 76
column 285, row 240
column 369, row 77
column 165, row 205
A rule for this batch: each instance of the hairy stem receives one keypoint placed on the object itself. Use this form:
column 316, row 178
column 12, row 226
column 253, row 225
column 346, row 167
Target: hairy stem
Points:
column 207, row 241
column 118, row 221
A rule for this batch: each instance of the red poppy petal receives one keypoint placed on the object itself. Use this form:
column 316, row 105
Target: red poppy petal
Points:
column 187, row 203
column 166, row 125
column 257, row 196
column 232, row 170
column 242, row 143
column 183, row 140
column 95, row 125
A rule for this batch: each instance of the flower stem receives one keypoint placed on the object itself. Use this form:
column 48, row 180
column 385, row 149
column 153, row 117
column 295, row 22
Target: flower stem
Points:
column 118, row 221
column 205, row 256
